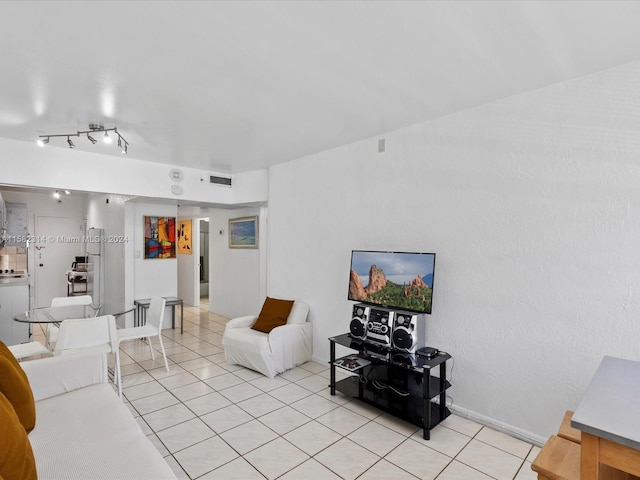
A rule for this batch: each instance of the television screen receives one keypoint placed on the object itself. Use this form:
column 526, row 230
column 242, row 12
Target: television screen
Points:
column 396, row 280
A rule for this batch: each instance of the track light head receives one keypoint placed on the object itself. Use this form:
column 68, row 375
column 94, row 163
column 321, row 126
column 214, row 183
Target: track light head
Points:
column 42, row 141
column 91, row 139
column 107, row 138
column 71, row 145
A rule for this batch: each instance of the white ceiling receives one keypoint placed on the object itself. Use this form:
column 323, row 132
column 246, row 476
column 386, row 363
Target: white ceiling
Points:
column 237, row 86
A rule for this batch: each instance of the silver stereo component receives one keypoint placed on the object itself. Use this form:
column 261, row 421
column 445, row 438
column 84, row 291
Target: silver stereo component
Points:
column 379, row 327
column 408, row 332
column 359, row 319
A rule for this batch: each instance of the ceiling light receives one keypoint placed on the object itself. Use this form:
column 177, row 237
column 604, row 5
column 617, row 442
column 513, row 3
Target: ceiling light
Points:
column 56, row 194
column 122, row 143
column 67, row 192
column 94, row 128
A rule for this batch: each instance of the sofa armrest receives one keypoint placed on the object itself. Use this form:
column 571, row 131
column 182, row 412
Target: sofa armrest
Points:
column 294, row 341
column 242, row 322
column 53, row 376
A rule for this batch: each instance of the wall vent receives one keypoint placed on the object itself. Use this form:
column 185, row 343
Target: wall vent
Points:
column 220, row 180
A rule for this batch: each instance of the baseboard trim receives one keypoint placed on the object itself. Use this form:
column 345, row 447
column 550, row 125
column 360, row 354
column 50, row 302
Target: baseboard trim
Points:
column 519, row 433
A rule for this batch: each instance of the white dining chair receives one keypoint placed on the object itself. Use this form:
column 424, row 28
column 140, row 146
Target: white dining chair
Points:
column 29, row 349
column 152, row 328
column 97, row 334
column 85, row 310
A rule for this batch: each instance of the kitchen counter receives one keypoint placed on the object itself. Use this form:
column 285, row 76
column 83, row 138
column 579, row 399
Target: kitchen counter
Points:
column 14, row 281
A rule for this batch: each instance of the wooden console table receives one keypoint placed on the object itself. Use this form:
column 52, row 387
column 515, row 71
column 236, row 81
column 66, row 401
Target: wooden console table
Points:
column 143, row 304
column 609, row 418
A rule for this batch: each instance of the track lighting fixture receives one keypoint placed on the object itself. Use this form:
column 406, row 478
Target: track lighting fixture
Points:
column 94, row 128
column 123, row 148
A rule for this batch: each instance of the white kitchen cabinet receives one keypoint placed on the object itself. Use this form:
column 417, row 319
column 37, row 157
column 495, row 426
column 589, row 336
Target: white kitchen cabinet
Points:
column 14, row 299
column 16, row 224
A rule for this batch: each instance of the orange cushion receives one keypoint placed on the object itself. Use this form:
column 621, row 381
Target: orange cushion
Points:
column 14, row 385
column 16, row 456
column 273, row 314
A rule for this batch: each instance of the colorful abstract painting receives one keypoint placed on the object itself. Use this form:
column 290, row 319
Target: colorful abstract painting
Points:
column 159, row 237
column 184, row 236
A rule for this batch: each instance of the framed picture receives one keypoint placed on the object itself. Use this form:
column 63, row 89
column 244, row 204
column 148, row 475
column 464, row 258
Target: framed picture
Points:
column 243, row 232
column 159, row 237
column 184, row 236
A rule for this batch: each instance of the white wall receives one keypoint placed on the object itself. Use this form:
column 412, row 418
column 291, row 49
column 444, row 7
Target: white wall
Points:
column 147, row 277
column 64, row 168
column 237, row 276
column 189, row 264
column 532, row 205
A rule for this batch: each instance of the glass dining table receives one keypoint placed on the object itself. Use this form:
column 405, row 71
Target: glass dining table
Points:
column 58, row 314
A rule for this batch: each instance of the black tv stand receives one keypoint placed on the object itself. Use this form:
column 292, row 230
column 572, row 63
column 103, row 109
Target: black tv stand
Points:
column 398, row 383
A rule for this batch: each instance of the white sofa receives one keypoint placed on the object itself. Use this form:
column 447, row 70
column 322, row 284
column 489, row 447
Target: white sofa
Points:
column 270, row 353
column 83, row 429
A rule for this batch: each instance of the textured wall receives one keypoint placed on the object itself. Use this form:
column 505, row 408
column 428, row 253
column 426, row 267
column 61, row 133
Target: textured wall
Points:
column 532, row 206
column 235, row 274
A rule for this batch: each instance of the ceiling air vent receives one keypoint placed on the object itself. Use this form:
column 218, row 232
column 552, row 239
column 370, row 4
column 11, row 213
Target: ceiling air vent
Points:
column 220, row 180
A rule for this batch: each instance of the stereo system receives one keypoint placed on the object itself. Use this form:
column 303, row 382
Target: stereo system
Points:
column 408, row 332
column 379, row 327
column 358, row 326
column 392, row 329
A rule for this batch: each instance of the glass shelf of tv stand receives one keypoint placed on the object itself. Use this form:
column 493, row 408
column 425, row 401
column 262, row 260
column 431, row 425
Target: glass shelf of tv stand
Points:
column 407, row 360
column 399, row 383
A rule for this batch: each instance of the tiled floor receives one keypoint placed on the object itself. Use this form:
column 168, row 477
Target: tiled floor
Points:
column 211, row 420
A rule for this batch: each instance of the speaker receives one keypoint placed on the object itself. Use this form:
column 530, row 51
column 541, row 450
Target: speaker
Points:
column 359, row 319
column 408, row 332
column 379, row 327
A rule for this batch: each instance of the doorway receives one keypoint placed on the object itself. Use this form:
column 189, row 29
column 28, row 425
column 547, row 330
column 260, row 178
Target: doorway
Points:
column 204, row 258
column 60, row 241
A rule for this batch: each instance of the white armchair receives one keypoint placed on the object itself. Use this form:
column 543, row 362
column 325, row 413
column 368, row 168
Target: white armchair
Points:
column 271, row 353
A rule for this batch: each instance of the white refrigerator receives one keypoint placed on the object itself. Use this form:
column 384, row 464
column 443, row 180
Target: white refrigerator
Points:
column 95, row 265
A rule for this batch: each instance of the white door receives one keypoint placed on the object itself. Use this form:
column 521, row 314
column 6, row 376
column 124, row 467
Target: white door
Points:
column 58, row 242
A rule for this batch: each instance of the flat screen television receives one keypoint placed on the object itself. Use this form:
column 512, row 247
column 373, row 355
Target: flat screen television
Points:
column 395, row 280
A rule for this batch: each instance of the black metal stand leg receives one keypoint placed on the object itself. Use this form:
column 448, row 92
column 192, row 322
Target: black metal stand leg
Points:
column 443, row 393
column 426, row 419
column 332, row 384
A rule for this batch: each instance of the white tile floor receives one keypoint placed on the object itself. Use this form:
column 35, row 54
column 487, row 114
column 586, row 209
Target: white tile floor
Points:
column 210, row 420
